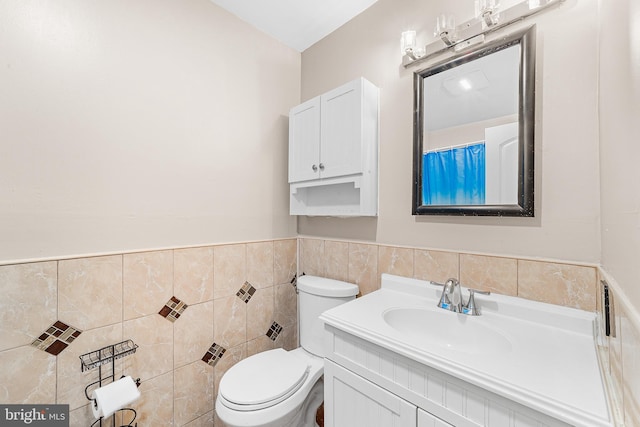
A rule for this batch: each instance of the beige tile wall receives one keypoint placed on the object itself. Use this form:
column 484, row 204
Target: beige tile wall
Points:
column 556, row 283
column 117, row 297
column 619, row 354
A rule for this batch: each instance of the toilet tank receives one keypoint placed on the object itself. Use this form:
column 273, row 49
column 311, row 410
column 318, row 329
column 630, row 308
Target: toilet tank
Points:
column 315, row 296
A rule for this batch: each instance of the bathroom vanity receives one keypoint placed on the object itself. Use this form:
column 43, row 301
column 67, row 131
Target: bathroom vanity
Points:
column 395, row 359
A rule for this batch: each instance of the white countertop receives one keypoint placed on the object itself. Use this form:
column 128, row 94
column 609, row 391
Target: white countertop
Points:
column 552, row 365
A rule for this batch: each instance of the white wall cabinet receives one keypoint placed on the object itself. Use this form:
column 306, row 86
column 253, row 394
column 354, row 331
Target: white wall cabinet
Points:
column 333, row 152
column 304, row 141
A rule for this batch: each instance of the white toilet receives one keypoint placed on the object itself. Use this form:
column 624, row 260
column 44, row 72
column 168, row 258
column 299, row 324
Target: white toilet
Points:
column 284, row 388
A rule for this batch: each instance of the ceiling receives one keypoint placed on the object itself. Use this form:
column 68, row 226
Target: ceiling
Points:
column 296, row 23
column 494, row 95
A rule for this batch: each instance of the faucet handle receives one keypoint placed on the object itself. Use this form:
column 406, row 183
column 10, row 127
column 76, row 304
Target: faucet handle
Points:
column 470, row 307
column 444, row 302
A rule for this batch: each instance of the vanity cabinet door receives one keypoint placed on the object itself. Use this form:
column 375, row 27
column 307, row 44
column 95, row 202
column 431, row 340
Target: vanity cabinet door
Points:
column 425, row 419
column 304, row 141
column 352, row 401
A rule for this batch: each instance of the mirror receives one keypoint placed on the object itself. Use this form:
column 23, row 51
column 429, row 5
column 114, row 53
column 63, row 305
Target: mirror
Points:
column 474, row 131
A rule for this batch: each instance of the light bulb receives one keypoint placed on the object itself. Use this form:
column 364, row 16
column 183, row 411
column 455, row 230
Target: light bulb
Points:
column 465, row 84
column 408, row 41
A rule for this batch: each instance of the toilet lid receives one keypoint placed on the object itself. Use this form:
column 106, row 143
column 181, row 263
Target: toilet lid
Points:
column 264, row 379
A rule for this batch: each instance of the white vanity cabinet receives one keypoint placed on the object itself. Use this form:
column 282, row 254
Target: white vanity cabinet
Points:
column 425, row 419
column 394, row 355
column 333, row 152
column 368, row 385
column 358, row 402
column 355, row 401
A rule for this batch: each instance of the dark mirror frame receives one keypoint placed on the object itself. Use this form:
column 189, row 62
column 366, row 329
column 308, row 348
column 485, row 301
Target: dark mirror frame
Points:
column 526, row 125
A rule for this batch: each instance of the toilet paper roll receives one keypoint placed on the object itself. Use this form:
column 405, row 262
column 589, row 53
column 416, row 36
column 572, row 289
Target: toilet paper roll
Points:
column 114, row 396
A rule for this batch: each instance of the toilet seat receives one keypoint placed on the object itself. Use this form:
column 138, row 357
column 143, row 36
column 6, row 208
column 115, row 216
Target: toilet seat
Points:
column 263, row 380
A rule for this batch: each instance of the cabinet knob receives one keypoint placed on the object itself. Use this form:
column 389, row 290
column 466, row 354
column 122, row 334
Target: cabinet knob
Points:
column 315, row 168
column 321, row 167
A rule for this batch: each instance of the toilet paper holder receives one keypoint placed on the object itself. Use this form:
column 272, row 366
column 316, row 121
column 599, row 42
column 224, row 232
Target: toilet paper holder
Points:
column 93, row 401
column 107, row 356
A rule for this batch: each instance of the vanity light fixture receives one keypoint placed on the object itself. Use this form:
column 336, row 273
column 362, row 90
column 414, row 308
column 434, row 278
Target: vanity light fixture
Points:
column 408, row 45
column 488, row 19
column 446, row 29
column 487, row 10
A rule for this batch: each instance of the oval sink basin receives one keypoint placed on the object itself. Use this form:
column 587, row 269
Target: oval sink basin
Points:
column 446, row 329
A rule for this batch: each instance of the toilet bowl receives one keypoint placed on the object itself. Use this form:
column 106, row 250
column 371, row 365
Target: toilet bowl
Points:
column 284, row 388
column 271, row 389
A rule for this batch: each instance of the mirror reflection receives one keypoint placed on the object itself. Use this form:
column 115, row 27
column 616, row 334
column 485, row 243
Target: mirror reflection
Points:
column 474, row 133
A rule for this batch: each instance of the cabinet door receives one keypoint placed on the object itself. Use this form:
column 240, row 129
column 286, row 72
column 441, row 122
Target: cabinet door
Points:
column 425, row 419
column 304, row 141
column 341, row 130
column 352, row 401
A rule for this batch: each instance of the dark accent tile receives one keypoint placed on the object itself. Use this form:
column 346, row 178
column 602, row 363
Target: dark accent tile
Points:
column 56, row 347
column 294, row 281
column 214, row 354
column 173, row 309
column 60, row 325
column 38, row 342
column 274, row 331
column 56, row 338
column 246, row 292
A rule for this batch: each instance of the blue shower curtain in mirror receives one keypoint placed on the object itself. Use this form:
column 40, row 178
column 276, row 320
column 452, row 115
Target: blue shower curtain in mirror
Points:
column 455, row 176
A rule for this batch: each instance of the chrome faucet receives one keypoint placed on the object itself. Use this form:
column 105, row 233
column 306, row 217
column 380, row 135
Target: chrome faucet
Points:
column 470, row 307
column 451, row 298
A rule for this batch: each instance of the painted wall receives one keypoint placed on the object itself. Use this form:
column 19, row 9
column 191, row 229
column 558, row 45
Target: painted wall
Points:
column 140, row 125
column 619, row 98
column 566, row 225
column 461, row 135
column 619, row 149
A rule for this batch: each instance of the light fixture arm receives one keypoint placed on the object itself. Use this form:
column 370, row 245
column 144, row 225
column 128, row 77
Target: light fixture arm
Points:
column 446, row 38
column 489, row 18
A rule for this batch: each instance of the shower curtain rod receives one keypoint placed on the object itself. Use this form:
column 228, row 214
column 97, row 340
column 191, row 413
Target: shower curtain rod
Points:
column 451, row 147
